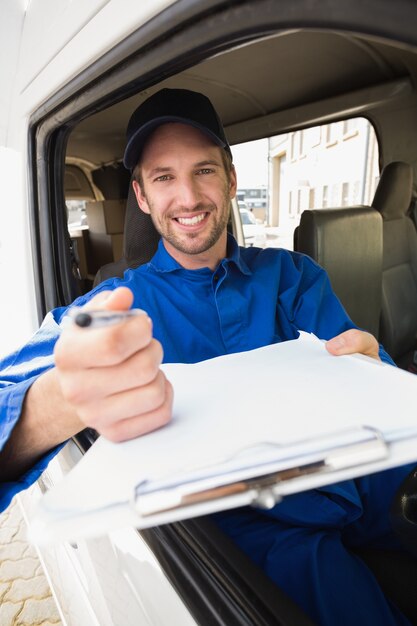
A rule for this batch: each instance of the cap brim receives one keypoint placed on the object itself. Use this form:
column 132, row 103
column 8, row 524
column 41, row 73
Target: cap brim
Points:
column 137, row 142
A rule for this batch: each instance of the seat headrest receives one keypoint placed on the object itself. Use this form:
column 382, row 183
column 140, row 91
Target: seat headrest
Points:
column 394, row 191
column 141, row 238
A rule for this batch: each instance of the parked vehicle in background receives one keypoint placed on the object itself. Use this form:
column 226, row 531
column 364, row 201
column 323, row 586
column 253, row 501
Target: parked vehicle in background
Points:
column 253, row 229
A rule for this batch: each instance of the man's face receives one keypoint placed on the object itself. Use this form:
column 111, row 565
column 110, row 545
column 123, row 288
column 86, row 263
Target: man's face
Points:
column 187, row 192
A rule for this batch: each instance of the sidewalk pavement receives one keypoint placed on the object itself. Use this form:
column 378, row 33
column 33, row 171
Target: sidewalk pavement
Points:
column 25, row 596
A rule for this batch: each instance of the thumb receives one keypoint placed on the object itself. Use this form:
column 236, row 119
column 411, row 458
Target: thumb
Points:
column 120, row 299
column 354, row 341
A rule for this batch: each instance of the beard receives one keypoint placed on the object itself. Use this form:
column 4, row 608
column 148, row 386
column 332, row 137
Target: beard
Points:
column 194, row 242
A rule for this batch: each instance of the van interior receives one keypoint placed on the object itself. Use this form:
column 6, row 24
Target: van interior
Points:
column 336, row 77
column 267, row 78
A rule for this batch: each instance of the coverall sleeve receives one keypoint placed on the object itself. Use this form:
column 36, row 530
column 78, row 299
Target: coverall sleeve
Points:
column 313, row 306
column 18, row 371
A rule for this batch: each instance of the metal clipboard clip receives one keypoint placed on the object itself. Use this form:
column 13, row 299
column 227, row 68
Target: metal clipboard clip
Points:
column 264, row 487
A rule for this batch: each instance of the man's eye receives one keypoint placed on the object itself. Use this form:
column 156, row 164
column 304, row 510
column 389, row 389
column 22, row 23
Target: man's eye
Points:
column 163, row 178
column 205, row 170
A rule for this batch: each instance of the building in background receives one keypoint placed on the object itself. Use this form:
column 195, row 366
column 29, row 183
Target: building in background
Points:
column 333, row 165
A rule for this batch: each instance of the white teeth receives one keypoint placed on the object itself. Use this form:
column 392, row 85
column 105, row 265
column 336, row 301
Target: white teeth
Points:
column 191, row 221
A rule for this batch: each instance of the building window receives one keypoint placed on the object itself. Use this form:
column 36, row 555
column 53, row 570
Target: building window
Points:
column 311, row 198
column 350, row 127
column 332, row 132
column 290, row 203
column 356, row 192
column 312, row 138
column 345, row 194
column 325, row 201
column 335, row 194
column 299, row 201
column 301, row 143
column 293, row 146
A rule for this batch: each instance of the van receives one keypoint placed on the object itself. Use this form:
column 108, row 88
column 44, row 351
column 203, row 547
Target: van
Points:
column 289, row 72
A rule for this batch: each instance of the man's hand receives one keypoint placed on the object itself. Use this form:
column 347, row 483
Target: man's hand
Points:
column 106, row 378
column 111, row 376
column 354, row 341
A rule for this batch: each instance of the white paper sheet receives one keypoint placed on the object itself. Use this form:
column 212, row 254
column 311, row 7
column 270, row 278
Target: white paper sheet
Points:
column 283, row 402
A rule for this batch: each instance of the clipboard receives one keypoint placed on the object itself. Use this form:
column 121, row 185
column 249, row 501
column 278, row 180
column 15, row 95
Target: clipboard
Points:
column 247, row 429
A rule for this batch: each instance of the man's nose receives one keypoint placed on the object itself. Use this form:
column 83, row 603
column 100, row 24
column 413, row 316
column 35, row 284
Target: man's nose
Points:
column 188, row 193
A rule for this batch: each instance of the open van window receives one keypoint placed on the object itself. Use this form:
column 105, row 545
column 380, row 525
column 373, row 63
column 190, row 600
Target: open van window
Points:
column 331, row 165
column 279, row 177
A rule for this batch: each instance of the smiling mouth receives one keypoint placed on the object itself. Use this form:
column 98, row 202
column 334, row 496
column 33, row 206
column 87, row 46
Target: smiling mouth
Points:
column 191, row 221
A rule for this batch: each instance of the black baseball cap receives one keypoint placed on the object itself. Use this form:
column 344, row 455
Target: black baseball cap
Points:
column 171, row 105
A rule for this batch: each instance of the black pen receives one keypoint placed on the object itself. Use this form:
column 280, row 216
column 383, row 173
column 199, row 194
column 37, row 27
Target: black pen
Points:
column 98, row 318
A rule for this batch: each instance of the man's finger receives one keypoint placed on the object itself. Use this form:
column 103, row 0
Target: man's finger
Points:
column 101, row 347
column 354, row 341
column 138, row 370
column 143, row 423
column 125, row 405
column 120, row 299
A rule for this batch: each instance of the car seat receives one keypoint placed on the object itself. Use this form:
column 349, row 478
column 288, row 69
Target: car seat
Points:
column 140, row 241
column 398, row 327
column 347, row 243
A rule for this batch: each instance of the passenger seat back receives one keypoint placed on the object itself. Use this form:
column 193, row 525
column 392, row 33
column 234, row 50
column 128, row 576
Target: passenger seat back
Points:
column 105, row 232
column 347, row 243
column 140, row 241
column 399, row 274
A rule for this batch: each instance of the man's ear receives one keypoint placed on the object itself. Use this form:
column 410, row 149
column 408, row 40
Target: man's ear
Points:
column 233, row 182
column 140, row 197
